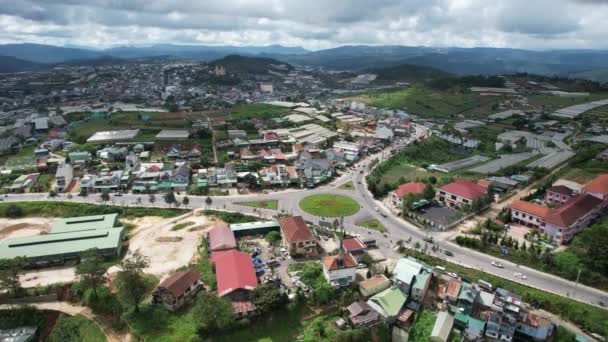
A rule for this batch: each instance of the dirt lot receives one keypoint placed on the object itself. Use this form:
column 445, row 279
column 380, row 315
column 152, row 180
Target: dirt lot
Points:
column 30, row 226
column 153, row 237
column 167, row 249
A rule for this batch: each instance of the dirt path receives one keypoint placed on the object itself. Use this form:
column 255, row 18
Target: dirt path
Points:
column 72, row 310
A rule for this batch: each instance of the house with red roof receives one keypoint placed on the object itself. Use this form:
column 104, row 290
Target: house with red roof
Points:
column 340, row 269
column 354, row 247
column 562, row 223
column 221, row 238
column 528, row 214
column 459, row 193
column 396, row 196
column 235, row 276
column 297, row 238
column 598, row 187
column 558, row 195
column 177, row 289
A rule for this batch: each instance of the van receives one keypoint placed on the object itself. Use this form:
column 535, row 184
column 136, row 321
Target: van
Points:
column 485, row 285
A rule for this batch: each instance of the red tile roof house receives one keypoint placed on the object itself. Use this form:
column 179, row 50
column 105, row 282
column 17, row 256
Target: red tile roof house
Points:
column 297, row 238
column 236, row 278
column 396, row 196
column 339, row 270
column 558, row 195
column 598, row 187
column 355, row 247
column 459, row 193
column 177, row 289
column 221, row 238
column 562, row 223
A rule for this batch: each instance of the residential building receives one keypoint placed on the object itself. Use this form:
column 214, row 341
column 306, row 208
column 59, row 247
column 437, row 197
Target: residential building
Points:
column 355, row 247
column 79, row 158
column 558, row 195
column 373, row 285
column 63, row 177
column 236, row 278
column 562, row 223
column 340, row 269
column 405, row 272
column 388, row 303
column 442, row 328
column 396, row 196
column 177, row 289
column 297, row 238
column 459, row 193
column 23, row 183
column 467, row 298
column 361, row 314
column 598, row 187
column 535, row 327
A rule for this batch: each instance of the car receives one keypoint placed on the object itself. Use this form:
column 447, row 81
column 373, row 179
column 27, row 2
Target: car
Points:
column 360, row 266
column 383, row 214
column 361, row 171
column 497, row 264
column 118, row 194
column 376, row 209
column 448, row 253
column 520, row 276
column 429, row 239
column 601, row 303
column 453, row 275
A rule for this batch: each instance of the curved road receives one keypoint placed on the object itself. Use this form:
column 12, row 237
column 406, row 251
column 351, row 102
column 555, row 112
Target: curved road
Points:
column 397, row 228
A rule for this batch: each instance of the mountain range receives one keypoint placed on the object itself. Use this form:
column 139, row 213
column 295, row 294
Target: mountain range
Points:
column 588, row 64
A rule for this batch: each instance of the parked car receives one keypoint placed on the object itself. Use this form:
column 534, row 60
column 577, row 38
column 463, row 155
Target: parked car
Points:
column 448, row 253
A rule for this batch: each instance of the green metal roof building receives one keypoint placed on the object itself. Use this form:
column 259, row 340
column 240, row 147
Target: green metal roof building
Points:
column 67, row 239
column 388, row 302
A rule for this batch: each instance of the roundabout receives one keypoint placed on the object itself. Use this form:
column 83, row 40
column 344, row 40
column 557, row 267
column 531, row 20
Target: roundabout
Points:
column 329, row 205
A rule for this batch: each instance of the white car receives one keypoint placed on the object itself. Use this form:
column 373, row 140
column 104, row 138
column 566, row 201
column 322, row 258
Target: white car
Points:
column 453, row 275
column 497, row 264
column 520, row 276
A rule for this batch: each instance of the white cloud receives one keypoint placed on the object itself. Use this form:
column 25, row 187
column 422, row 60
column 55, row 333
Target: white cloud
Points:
column 314, row 24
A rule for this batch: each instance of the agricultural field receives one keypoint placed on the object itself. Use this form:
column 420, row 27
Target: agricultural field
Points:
column 551, row 102
column 257, row 110
column 431, row 103
column 597, row 116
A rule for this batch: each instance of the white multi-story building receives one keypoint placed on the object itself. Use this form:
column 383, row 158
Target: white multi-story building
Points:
column 63, row 177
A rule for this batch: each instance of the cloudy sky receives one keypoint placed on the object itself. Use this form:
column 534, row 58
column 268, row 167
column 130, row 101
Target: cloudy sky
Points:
column 313, row 24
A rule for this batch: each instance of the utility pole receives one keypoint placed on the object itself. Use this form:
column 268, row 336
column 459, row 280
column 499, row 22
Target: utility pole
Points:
column 576, row 284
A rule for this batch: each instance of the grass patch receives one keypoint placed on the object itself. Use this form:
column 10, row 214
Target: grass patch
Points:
column 587, row 316
column 373, row 224
column 348, row 186
column 155, row 323
column 231, row 218
column 182, row 225
column 326, row 205
column 70, row 209
column 83, row 328
column 423, row 326
column 262, row 204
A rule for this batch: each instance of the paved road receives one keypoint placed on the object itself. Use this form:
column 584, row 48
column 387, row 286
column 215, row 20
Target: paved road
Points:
column 398, row 229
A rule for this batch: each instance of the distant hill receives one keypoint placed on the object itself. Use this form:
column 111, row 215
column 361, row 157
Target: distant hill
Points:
column 10, row 64
column 46, row 53
column 251, row 65
column 408, row 73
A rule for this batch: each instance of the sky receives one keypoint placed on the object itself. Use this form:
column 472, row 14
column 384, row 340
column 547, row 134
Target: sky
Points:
column 312, row 24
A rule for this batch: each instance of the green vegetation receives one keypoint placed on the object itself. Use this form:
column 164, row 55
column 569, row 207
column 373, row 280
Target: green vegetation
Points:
column 273, row 204
column 564, row 335
column 155, row 323
column 587, row 316
column 230, row 218
column 427, row 102
column 257, row 110
column 347, row 186
column 311, row 274
column 74, row 329
column 586, row 253
column 70, row 209
column 326, row 205
column 404, row 166
column 408, row 73
column 373, row 224
column 551, row 102
column 21, row 316
column 422, row 328
column 182, row 225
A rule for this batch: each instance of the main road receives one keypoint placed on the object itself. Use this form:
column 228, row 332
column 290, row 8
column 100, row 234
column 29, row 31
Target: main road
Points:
column 397, row 228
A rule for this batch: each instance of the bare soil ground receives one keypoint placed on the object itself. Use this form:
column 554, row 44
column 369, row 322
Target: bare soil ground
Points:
column 30, row 226
column 168, row 250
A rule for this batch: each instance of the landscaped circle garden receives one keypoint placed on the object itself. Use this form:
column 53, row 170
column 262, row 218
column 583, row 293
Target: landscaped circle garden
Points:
column 326, row 205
